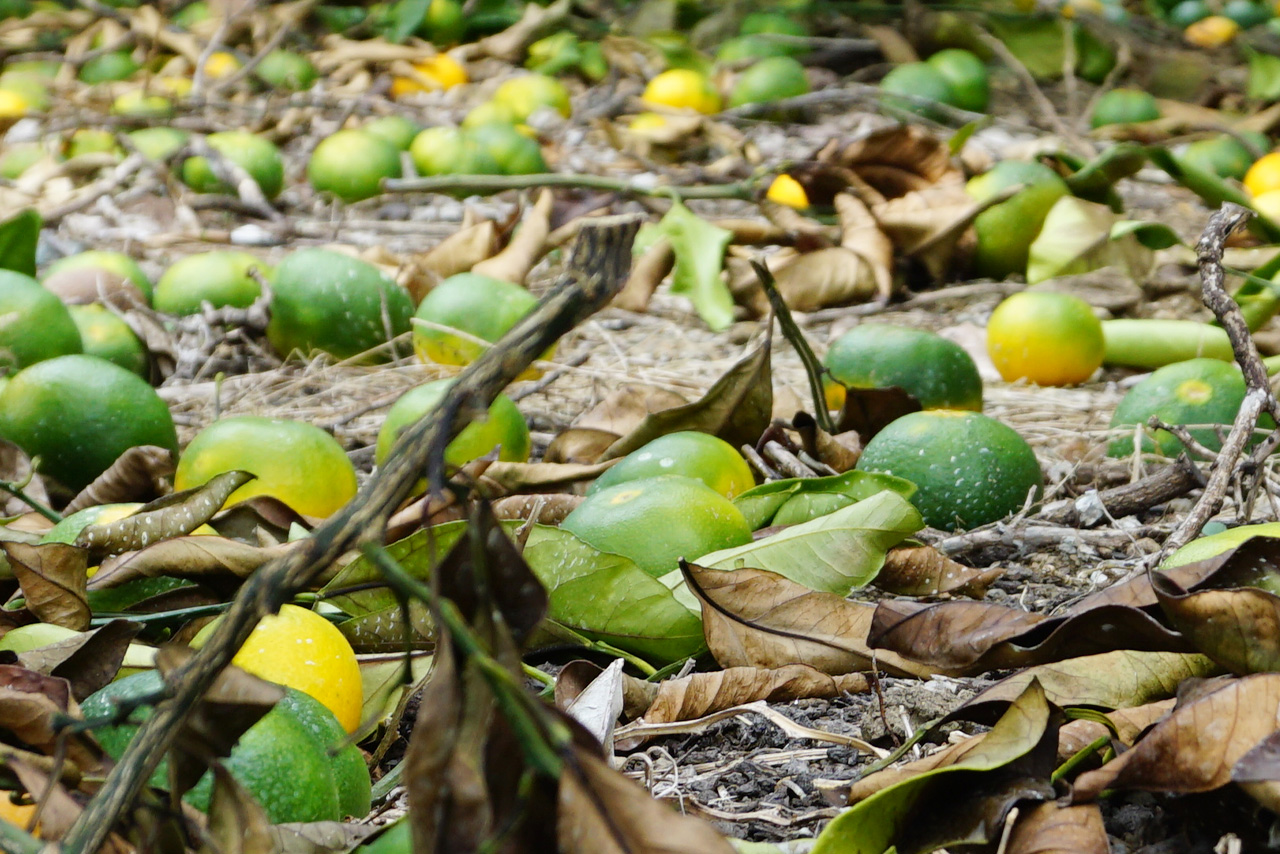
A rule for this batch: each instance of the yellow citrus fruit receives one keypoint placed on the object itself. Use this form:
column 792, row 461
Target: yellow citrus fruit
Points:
column 221, row 64
column 1268, row 204
column 657, row 520
column 351, row 164
column 647, row 123
column 936, row 371
column 324, row 300
column 1213, row 31
column 139, row 104
column 295, row 462
column 786, row 190
column 79, row 414
column 481, row 309
column 968, row 469
column 17, row 814
column 34, row 324
column 1263, row 175
column 300, row 649
column 438, row 72
column 177, row 87
column 503, row 428
column 1048, row 338
column 12, row 105
column 528, row 93
column 700, row 456
column 682, row 89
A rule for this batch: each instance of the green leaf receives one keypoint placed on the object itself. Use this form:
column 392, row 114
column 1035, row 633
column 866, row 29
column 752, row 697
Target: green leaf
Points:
column 874, row 825
column 1152, row 235
column 1264, row 76
column 699, row 249
column 837, row 553
column 1080, row 236
column 761, row 503
column 18, row 237
column 1212, row 189
column 608, row 598
column 1093, row 180
column 406, row 16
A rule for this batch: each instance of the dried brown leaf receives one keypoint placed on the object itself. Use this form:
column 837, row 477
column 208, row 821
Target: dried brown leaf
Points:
column 53, row 579
column 457, row 253
column 138, row 475
column 1129, row 725
column 1251, row 645
column 204, row 558
column 575, row 676
column 825, row 277
column 580, row 446
column 15, row 467
column 867, row 411
column 33, row 707
column 1196, row 747
column 1048, row 828
column 737, row 408
column 701, row 694
column 626, row 408
column 528, row 244
column 898, row 159
column 925, row 571
column 839, row 451
column 510, row 44
column 757, row 619
column 88, row 660
column 647, row 272
column 521, row 477
column 238, row 824
column 542, row 509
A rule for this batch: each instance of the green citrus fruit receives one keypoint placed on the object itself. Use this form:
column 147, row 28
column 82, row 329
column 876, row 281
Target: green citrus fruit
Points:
column 777, row 23
column 257, row 156
column 906, row 84
column 17, row 159
column 79, row 414
column 116, row 263
column 140, row 104
column 1006, row 231
column 525, row 95
column 221, row 278
column 967, row 76
column 1051, row 339
column 327, row 301
column 1188, row 12
column 33, row 89
column 117, row 65
column 300, row 649
column 284, row 69
column 105, row 335
column 504, row 426
column 295, row 462
column 656, row 521
column 1224, row 155
column 512, row 152
column 1124, row 106
column 1247, row 13
column 771, row 79
column 444, row 22
column 351, row 164
column 277, row 759
column 449, row 151
column 34, row 324
column 700, row 456
column 937, row 372
column 159, row 143
column 488, row 113
column 350, row 773
column 91, row 141
column 1197, row 391
column 396, row 839
column 968, row 469
column 395, row 129
column 479, row 307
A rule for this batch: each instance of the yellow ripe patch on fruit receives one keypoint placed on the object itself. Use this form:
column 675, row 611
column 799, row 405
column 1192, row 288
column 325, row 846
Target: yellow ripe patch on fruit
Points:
column 682, row 89
column 438, row 72
column 177, row 87
column 1047, row 338
column 1213, row 31
column 12, row 105
column 221, row 64
column 786, row 190
column 300, row 649
column 1264, row 175
column 17, row 814
column 1268, row 204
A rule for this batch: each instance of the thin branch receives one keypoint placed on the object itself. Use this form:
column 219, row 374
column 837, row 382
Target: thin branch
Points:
column 593, row 275
column 488, row 184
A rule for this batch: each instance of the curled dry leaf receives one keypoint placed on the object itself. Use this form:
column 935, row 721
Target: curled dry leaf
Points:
column 522, row 477
column 87, row 660
column 964, row 799
column 32, row 708
column 925, row 571
column 457, row 253
column 515, row 261
column 204, row 558
column 15, row 467
column 1251, row 644
column 839, row 451
column 1047, row 828
column 175, row 515
column 1128, row 725
column 52, row 578
column 625, row 409
column 867, row 411
column 542, row 509
column 647, row 272
column 575, row 676
column 737, row 408
column 1196, row 747
column 536, row 21
column 138, row 475
column 700, row 694
column 757, row 619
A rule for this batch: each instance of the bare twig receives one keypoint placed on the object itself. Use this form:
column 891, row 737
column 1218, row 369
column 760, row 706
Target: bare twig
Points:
column 596, row 270
column 1258, row 399
column 500, row 183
